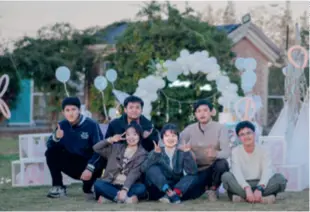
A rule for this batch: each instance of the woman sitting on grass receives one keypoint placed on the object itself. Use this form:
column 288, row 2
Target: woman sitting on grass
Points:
column 119, row 183
column 170, row 172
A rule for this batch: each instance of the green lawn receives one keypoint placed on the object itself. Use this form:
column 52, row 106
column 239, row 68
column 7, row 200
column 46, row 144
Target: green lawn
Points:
column 34, row 198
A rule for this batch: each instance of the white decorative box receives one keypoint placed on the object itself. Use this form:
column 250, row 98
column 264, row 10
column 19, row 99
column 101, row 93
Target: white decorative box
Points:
column 276, row 146
column 33, row 172
column 32, row 145
column 297, row 179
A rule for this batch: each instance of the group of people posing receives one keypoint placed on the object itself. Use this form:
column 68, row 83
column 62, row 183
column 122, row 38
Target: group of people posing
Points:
column 134, row 162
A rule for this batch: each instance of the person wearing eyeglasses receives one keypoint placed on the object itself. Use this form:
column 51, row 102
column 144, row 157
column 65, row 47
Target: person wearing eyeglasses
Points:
column 251, row 177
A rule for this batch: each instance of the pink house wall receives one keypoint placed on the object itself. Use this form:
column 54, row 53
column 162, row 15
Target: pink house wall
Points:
column 245, row 48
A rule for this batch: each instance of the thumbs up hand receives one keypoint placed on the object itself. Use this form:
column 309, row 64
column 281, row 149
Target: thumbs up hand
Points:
column 59, row 132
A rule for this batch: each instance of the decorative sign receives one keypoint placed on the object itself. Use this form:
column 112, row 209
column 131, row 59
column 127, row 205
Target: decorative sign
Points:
column 4, row 108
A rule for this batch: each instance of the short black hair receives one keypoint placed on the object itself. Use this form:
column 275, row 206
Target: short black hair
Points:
column 71, row 101
column 203, row 102
column 133, row 99
column 137, row 127
column 244, row 124
column 171, row 127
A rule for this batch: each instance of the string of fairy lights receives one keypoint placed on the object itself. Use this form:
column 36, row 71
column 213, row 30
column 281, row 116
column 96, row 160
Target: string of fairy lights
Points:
column 180, row 103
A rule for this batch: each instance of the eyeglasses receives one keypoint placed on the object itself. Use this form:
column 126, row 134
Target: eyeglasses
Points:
column 245, row 134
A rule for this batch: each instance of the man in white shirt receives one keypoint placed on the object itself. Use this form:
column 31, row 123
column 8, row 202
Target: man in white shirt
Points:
column 251, row 177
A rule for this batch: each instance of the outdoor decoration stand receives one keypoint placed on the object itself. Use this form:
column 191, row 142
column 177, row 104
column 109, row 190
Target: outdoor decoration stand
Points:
column 31, row 168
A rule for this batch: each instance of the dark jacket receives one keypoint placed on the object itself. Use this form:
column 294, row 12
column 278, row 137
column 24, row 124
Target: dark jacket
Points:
column 79, row 139
column 114, row 153
column 118, row 126
column 181, row 161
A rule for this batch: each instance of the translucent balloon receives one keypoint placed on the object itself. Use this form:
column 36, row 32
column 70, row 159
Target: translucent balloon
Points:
column 63, row 74
column 111, row 75
column 249, row 64
column 101, row 83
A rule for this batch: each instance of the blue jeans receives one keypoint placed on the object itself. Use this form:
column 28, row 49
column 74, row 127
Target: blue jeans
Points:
column 109, row 190
column 155, row 179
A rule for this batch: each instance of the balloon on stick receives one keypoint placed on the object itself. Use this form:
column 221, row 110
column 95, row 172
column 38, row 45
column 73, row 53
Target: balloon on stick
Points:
column 63, row 75
column 111, row 75
column 101, row 84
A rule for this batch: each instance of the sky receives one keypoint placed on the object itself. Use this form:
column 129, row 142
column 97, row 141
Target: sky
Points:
column 25, row 18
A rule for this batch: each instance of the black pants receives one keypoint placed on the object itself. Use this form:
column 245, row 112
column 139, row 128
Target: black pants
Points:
column 156, row 181
column 59, row 160
column 208, row 178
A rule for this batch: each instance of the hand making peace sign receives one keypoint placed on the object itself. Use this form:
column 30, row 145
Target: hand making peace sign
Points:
column 157, row 148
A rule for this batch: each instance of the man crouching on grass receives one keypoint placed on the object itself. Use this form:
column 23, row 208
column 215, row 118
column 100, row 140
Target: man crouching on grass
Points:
column 70, row 149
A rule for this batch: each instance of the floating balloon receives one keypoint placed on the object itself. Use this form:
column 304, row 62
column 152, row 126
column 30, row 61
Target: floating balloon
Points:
column 62, row 74
column 248, row 79
column 101, row 83
column 239, row 63
column 249, row 64
column 111, row 75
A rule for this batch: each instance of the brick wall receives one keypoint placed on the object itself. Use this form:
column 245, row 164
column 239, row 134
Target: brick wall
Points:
column 245, row 48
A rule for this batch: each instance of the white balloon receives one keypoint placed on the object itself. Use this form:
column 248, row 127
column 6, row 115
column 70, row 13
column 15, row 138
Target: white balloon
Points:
column 101, row 83
column 239, row 63
column 172, row 76
column 184, row 53
column 250, row 64
column 233, row 87
column 248, row 79
column 62, row 74
column 112, row 113
column 213, row 60
column 111, row 75
column 221, row 101
column 205, row 53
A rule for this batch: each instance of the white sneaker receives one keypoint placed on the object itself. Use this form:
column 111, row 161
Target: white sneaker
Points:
column 57, row 192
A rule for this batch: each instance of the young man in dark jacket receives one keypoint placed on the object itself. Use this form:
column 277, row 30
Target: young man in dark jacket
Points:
column 133, row 112
column 70, row 149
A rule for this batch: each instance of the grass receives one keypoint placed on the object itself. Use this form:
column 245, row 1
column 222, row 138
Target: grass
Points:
column 34, row 198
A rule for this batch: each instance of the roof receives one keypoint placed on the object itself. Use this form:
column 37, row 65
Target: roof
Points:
column 113, row 32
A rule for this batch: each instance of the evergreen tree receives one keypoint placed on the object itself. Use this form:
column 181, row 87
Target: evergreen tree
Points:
column 229, row 16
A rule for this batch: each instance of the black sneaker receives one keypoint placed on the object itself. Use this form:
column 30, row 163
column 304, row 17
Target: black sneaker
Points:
column 57, row 192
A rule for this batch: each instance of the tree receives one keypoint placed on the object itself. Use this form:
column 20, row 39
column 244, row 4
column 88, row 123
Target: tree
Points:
column 304, row 30
column 161, row 39
column 229, row 16
column 208, row 15
column 57, row 45
column 287, row 27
